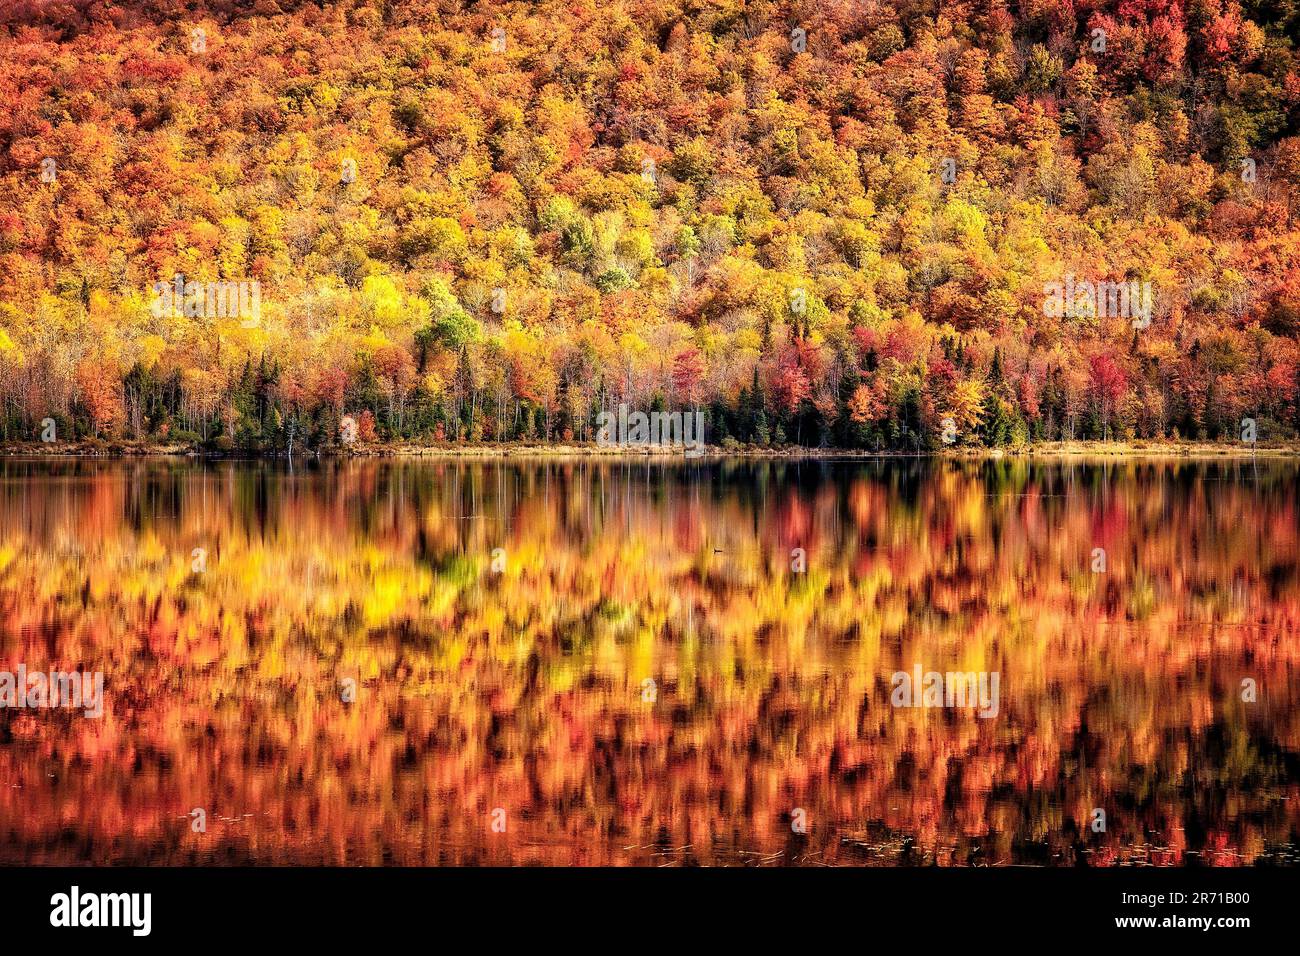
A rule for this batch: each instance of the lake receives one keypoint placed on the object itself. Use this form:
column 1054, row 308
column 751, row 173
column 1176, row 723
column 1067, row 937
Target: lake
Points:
column 649, row 663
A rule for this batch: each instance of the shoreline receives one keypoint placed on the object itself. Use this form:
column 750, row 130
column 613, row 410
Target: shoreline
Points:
column 1044, row 450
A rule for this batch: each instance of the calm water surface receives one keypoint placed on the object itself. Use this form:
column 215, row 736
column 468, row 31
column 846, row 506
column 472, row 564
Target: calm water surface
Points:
column 527, row 689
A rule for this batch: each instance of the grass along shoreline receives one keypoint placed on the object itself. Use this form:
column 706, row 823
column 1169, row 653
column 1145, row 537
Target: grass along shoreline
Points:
column 1089, row 449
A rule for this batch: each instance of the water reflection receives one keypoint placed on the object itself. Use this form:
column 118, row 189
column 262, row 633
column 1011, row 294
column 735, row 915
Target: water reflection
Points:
column 526, row 689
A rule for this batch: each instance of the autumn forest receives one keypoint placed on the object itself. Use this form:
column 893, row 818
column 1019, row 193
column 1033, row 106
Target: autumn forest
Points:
column 821, row 224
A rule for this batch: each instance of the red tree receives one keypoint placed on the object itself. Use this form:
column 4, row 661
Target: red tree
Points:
column 1108, row 382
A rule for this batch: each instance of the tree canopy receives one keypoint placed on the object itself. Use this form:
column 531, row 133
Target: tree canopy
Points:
column 823, row 223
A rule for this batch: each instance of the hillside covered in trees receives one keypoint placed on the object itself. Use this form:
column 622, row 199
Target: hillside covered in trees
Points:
column 824, row 223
